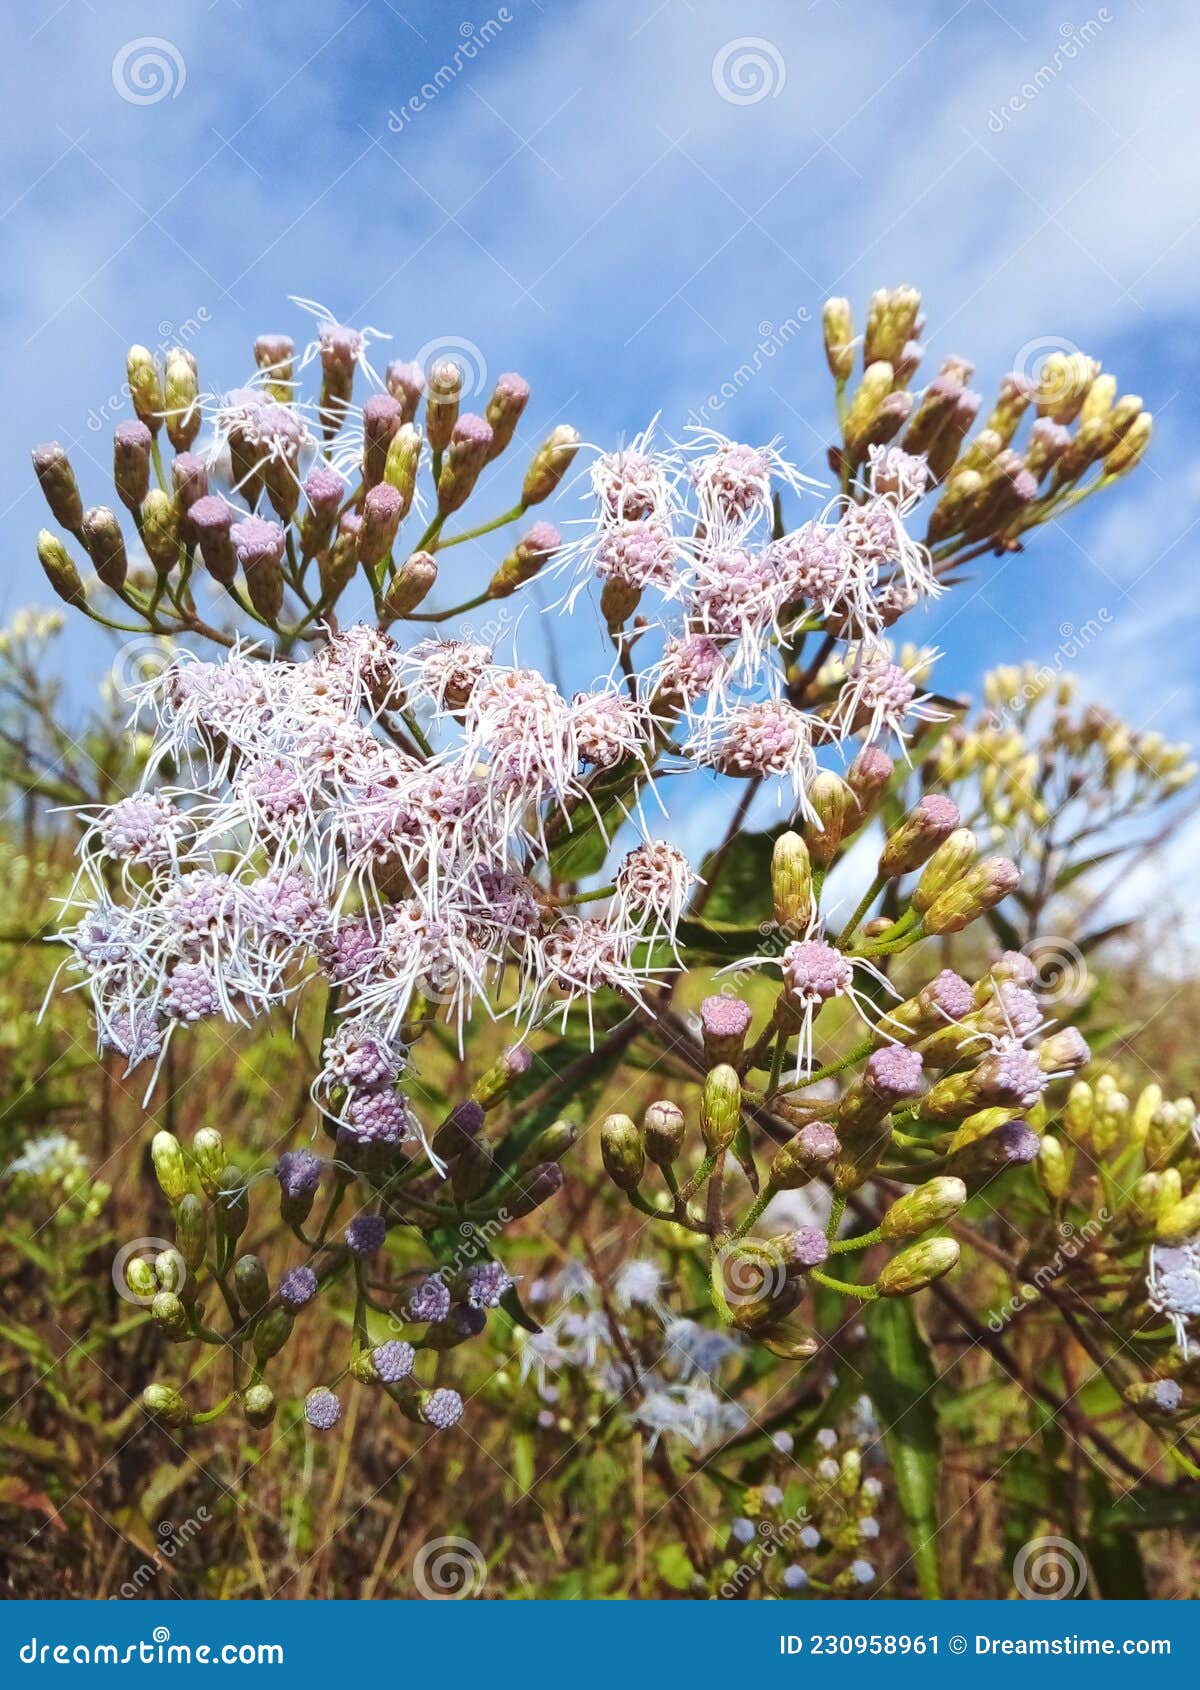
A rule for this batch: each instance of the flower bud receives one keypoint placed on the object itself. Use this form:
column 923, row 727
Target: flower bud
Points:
column 1130, row 449
column 791, row 883
column 874, row 388
column 833, row 803
column 106, row 546
column 169, row 1315
column 412, row 583
column 917, row 1266
column 1155, row 1396
column 891, row 1076
column 191, row 1230
column 56, row 478
column 931, row 1204
column 663, row 1129
column 837, row 323
column 259, row 546
column 724, row 1022
column 550, row 463
column 472, row 1170
column 536, row 1188
column 211, row 521
column 60, row 571
column 403, row 461
column 160, row 529
column 618, row 601
column 441, row 403
column 131, row 463
column 891, row 321
column 1178, row 1222
column 1063, row 1052
column 979, row 890
column 145, row 387
column 868, row 777
column 208, row 1153
column 231, row 1201
column 166, row 1153
column 141, row 1278
column 945, row 868
column 165, row 1403
column 622, row 1151
column 406, row 383
column 1053, row 1168
column 551, row 1145
column 258, row 1405
column 936, row 1010
column 1012, row 1145
column 381, row 512
column 1168, row 1131
column 338, row 566
column 181, row 399
column 323, row 492
column 251, row 1283
column 273, row 353
column 525, row 560
column 272, row 1331
column 467, row 452
column 924, row 828
column 806, row 1154
column 513, row 1063
column 801, row 1250
column 382, row 416
column 720, row 1106
column 509, row 398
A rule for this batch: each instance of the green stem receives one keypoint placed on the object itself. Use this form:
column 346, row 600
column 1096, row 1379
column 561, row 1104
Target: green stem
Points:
column 513, row 515
column 866, row 1293
column 867, row 899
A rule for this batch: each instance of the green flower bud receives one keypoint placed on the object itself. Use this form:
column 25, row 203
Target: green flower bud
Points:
column 271, row 1332
column 232, row 1201
column 527, row 557
column 274, row 353
column 663, row 1129
column 891, row 323
column 170, row 1270
column 209, row 1155
column 550, row 463
column 850, row 1477
column 837, row 322
column 1180, row 1220
column 979, row 890
column 403, row 461
column 337, row 566
column 1053, row 1168
column 160, row 529
column 931, row 1204
column 804, row 1155
column 363, row 1368
column 623, row 1153
column 106, row 546
column 145, row 387
column 251, row 1283
column 720, row 1106
column 166, row 1153
column 618, row 601
column 1130, row 449
column 181, row 393
column 442, row 402
column 141, row 1279
column 1144, row 1110
column 165, row 1403
column 1167, row 1132
column 191, row 1230
column 258, row 1405
column 864, row 405
column 549, row 1146
column 56, row 478
column 834, row 804
column 169, row 1314
column 1154, row 1396
column 791, row 883
column 917, row 1266
column 60, row 571
column 924, row 828
column 1143, row 1201
column 945, row 868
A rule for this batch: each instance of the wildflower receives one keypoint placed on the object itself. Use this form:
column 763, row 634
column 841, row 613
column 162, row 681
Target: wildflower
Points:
column 1173, row 1286
column 366, row 1234
column 393, row 1360
column 430, row 1300
column 322, row 1409
column 297, row 1287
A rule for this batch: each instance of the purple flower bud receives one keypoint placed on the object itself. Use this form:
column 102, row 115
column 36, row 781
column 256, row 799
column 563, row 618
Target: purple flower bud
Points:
column 429, row 1301
column 259, row 545
column 322, row 1409
column 366, row 1234
column 393, row 1360
column 949, row 993
column 807, row 1247
column 466, row 454
column 298, row 1173
column 406, row 384
column 894, row 1073
column 211, row 521
column 189, row 477
column 297, row 1287
column 57, row 481
column 382, row 416
column 918, row 836
column 383, row 508
column 868, row 776
column 518, row 1059
column 724, row 1022
column 441, row 1409
column 486, row 1285
column 509, row 399
column 536, row 1187
column 131, row 462
column 463, row 1124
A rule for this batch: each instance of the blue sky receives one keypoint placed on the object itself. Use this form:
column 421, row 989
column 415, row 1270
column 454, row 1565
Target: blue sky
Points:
column 580, row 201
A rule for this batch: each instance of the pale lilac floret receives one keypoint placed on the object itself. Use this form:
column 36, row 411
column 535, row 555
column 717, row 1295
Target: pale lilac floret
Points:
column 393, row 1360
column 1010, row 1076
column 143, row 828
column 951, row 994
column 366, row 1234
column 894, row 1072
column 1173, row 1287
column 322, row 1409
column 298, row 1173
column 430, row 1300
column 257, row 541
column 378, row 1117
column 487, row 1283
column 297, row 1287
column 442, row 1409
column 725, row 1017
column 815, row 971
column 192, row 993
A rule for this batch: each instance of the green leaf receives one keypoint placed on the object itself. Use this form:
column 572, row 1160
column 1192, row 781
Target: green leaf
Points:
column 742, row 889
column 674, row 1568
column 900, row 1381
column 1151, row 1508
column 513, row 1306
